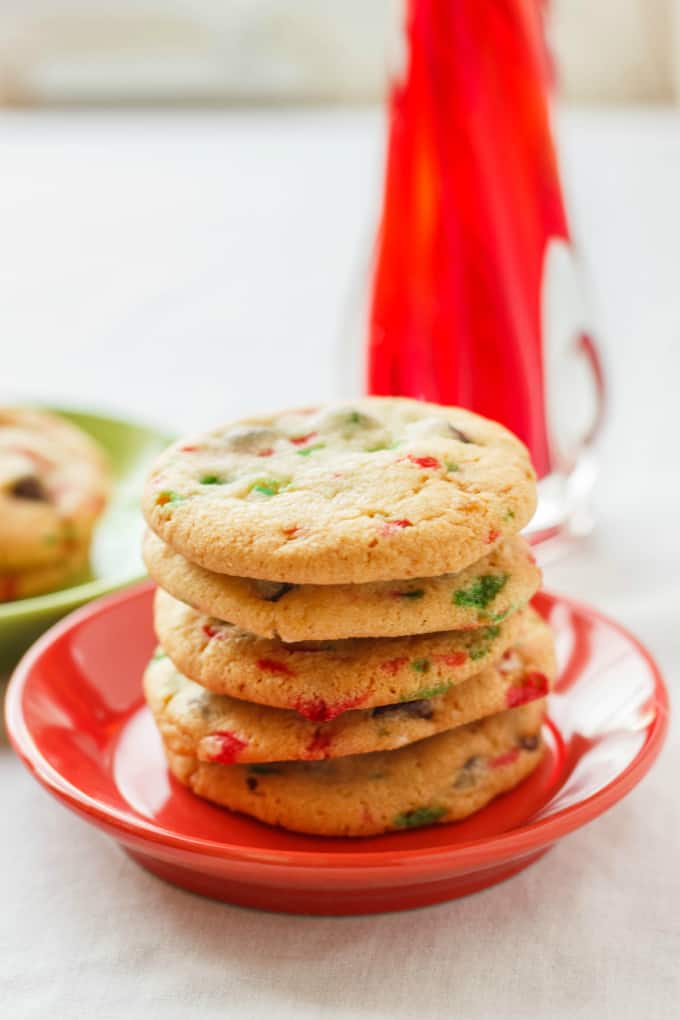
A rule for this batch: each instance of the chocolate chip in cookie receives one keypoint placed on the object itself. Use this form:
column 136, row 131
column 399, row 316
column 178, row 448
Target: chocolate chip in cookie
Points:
column 467, row 775
column 419, row 709
column 459, row 434
column 272, row 591
column 30, row 487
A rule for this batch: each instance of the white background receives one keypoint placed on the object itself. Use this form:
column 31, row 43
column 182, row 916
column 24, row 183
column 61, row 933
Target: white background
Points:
column 186, row 268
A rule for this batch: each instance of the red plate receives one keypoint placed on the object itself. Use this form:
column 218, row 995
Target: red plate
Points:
column 75, row 715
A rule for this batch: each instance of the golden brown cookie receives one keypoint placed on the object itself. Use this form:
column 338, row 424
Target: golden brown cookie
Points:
column 217, row 728
column 380, row 489
column 323, row 679
column 50, row 577
column 485, row 592
column 54, row 484
column 442, row 779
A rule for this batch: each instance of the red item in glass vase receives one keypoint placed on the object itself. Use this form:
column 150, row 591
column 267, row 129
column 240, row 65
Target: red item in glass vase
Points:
column 472, row 196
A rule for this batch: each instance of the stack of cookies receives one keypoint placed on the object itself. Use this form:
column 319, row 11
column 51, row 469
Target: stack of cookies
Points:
column 346, row 646
column 54, row 482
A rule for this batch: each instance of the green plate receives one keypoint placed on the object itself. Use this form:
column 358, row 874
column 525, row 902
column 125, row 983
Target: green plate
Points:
column 115, row 558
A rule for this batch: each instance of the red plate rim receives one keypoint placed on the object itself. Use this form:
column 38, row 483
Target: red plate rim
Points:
column 524, row 838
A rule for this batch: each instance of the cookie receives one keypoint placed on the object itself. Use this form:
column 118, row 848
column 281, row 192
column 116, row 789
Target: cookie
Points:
column 322, row 679
column 53, row 486
column 38, row 580
column 217, row 728
column 442, row 779
column 382, row 489
column 483, row 593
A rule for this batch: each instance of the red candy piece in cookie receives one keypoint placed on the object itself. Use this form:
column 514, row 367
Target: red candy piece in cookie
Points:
column 535, row 686
column 274, row 666
column 299, row 440
column 212, row 632
column 315, row 709
column 392, row 666
column 318, row 710
column 223, row 747
column 507, row 758
column 390, row 527
column 454, row 659
column 293, row 532
column 423, row 462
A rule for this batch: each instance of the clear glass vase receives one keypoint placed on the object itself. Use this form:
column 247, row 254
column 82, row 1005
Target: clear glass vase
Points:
column 474, row 293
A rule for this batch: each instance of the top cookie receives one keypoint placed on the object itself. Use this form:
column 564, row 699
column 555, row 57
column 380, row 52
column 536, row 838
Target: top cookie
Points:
column 53, row 486
column 382, row 489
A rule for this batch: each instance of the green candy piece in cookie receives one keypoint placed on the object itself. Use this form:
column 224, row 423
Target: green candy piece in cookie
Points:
column 498, row 617
column 377, row 447
column 481, row 647
column 269, row 486
column 427, row 692
column 419, row 816
column 481, row 592
column 310, row 449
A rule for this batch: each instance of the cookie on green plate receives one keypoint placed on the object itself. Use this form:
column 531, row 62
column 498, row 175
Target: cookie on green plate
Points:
column 23, row 584
column 114, row 560
column 54, row 484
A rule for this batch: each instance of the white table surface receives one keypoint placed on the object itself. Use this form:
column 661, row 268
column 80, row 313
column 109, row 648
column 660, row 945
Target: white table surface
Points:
column 184, row 268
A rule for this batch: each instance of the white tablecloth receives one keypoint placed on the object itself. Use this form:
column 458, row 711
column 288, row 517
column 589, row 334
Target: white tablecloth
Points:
column 184, row 268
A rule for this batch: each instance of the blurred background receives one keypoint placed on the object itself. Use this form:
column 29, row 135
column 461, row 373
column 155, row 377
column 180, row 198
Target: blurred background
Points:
column 191, row 188
column 60, row 52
